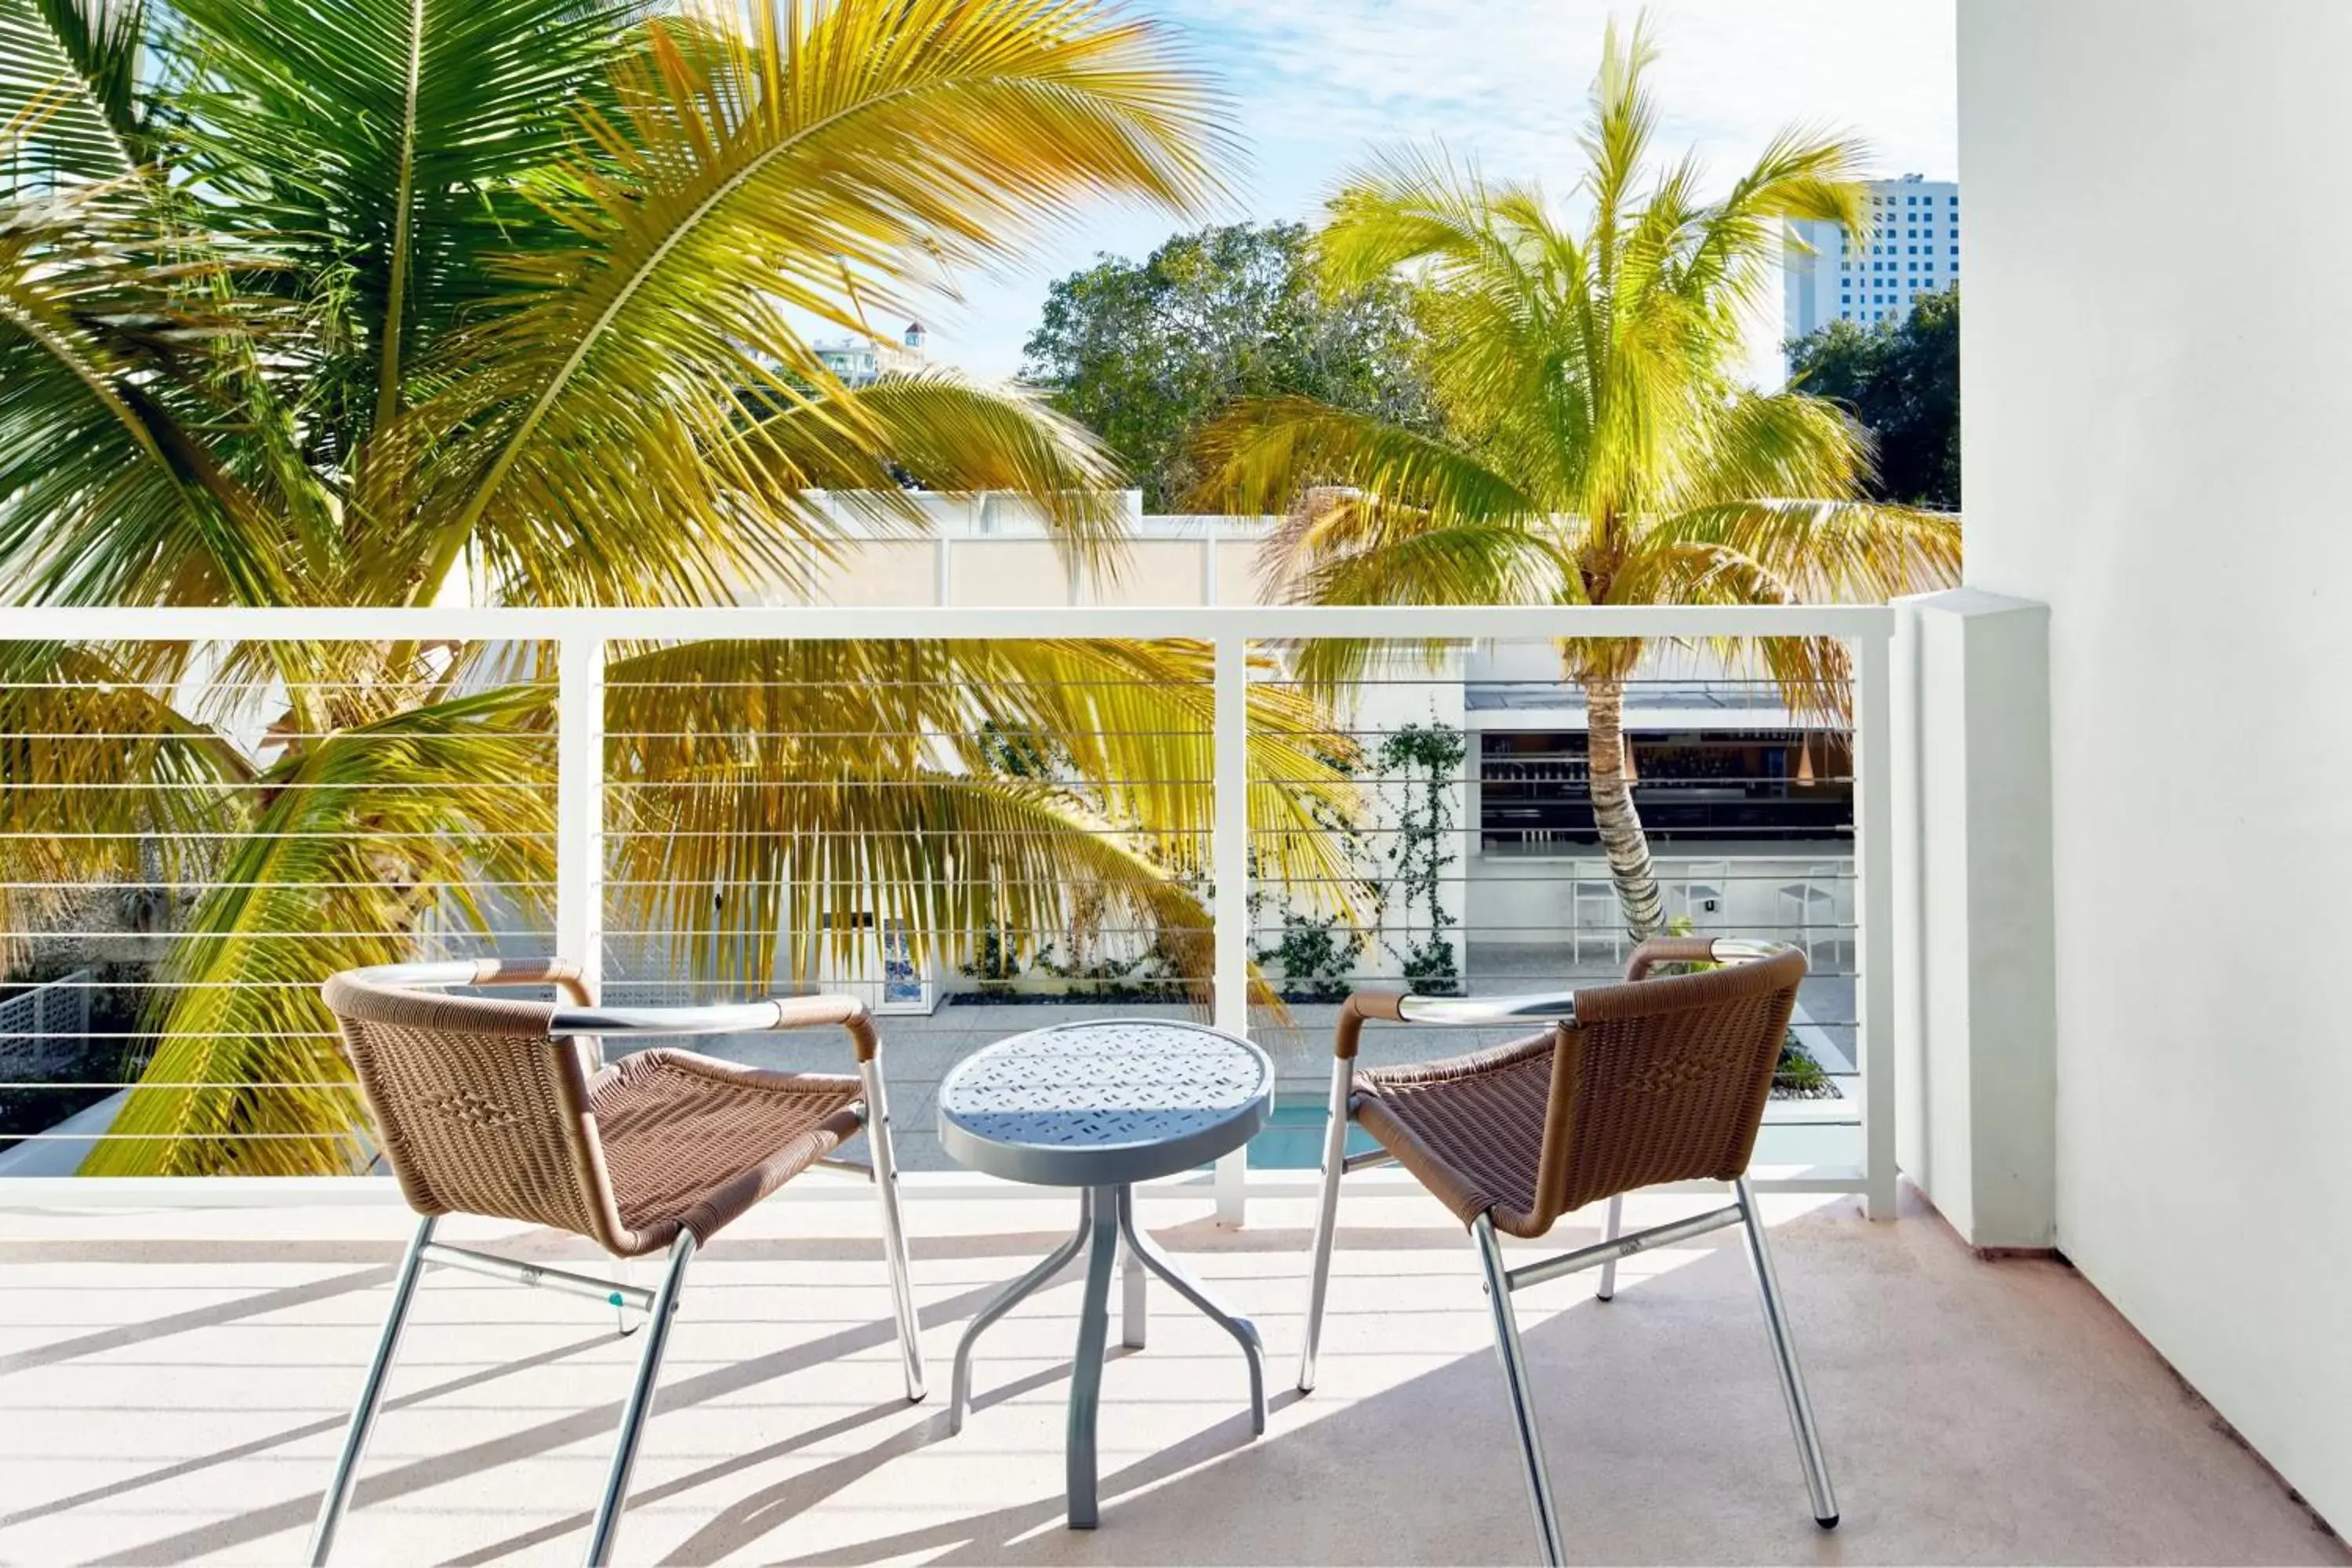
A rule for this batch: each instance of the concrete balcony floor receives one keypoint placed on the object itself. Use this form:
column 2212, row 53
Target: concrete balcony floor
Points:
column 172, row 1385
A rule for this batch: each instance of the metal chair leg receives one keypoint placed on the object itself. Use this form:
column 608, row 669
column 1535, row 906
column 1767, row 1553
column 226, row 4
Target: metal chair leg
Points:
column 1784, row 1356
column 1327, row 1217
column 893, row 1230
column 1612, row 1225
column 1515, row 1378
column 607, row 1522
column 356, row 1437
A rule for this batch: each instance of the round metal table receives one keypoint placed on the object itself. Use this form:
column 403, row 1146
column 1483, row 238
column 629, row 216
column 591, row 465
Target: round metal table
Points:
column 1099, row 1106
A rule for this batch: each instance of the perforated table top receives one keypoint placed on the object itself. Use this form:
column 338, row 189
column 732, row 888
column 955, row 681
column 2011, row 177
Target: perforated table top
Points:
column 1103, row 1102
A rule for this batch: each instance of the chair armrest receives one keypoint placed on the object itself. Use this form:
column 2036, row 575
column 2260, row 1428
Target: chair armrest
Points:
column 1668, row 950
column 1360, row 1007
column 1450, row 1012
column 560, row 973
column 1533, row 1007
column 582, row 1017
column 726, row 1018
column 848, row 1012
column 1696, row 950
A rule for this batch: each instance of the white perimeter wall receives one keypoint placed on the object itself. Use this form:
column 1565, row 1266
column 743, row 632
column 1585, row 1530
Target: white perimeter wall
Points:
column 2156, row 351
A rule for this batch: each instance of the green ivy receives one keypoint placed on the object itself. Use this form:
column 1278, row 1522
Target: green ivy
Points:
column 1317, row 961
column 1428, row 758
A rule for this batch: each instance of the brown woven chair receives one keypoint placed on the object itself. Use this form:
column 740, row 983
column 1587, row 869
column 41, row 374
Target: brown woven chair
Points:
column 491, row 1106
column 1650, row 1081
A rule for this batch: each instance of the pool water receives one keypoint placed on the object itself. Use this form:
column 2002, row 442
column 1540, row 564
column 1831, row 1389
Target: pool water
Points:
column 1293, row 1139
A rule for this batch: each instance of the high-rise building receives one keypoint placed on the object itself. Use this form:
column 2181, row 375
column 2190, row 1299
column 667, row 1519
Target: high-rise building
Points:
column 1912, row 249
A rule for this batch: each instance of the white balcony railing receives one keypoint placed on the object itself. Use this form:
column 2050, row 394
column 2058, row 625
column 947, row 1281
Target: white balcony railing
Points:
column 1828, row 886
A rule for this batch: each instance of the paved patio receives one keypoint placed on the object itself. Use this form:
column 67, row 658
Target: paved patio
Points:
column 172, row 1383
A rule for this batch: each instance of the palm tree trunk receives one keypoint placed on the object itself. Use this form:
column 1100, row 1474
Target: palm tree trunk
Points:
column 1612, row 809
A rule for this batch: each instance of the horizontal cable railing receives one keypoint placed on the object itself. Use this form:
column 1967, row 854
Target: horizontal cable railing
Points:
column 977, row 821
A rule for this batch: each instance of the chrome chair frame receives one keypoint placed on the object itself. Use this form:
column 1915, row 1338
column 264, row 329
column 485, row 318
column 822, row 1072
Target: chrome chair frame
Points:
column 1501, row 1281
column 659, row 1304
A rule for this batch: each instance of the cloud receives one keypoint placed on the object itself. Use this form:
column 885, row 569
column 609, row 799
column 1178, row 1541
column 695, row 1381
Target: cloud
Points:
column 1507, row 78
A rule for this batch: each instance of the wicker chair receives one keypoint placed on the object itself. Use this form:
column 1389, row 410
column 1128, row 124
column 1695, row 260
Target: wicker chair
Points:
column 1651, row 1081
column 492, row 1106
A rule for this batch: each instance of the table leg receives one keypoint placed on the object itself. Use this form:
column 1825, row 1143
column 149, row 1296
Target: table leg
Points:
column 1242, row 1329
column 1134, row 1308
column 1105, row 1205
column 960, row 1387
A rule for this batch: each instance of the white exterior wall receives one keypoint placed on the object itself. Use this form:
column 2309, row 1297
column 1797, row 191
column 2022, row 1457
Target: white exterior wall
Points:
column 1975, row 1053
column 992, row 549
column 2167, row 473
column 1913, row 249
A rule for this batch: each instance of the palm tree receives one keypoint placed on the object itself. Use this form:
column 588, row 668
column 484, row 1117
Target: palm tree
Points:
column 407, row 301
column 1598, row 447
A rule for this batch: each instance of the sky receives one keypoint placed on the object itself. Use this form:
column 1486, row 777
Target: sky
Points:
column 1317, row 85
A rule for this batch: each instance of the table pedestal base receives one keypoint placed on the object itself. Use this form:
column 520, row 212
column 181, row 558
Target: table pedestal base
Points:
column 1105, row 1219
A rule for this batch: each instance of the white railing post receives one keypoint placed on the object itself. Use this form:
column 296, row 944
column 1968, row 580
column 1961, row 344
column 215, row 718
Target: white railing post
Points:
column 1229, row 862
column 1873, row 986
column 580, row 805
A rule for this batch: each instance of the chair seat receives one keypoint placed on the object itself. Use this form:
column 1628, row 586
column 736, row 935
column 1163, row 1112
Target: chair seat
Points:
column 1470, row 1127
column 692, row 1141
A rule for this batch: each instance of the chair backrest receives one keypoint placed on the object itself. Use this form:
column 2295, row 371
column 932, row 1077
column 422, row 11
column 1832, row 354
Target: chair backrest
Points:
column 478, row 1110
column 1664, row 1079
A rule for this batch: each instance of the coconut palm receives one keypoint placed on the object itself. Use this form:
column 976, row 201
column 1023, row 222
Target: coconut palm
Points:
column 415, row 301
column 1598, row 447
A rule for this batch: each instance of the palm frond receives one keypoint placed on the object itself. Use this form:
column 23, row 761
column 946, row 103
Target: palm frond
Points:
column 369, row 828
column 952, row 785
column 102, row 779
column 943, row 433
column 1803, row 173
column 803, row 159
column 1616, row 139
column 1409, row 206
column 1498, row 562
column 1261, row 454
column 383, row 141
column 68, row 79
column 1826, row 551
column 117, row 489
column 1776, row 444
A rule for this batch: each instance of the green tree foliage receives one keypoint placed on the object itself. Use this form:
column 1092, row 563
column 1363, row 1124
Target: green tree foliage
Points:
column 360, row 301
column 1903, row 381
column 1143, row 354
column 1598, row 447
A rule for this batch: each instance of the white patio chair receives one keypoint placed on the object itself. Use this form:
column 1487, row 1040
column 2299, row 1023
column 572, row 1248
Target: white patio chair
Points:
column 1809, row 908
column 1704, row 882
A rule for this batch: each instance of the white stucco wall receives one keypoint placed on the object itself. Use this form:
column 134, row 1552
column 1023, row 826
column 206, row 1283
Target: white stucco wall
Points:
column 2155, row 447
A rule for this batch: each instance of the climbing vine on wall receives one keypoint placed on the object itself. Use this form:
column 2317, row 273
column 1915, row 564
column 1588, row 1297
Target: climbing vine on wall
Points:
column 1317, row 950
column 1425, row 760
